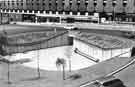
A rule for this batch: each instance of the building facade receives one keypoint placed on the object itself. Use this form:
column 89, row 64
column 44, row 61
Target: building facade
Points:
column 118, row 10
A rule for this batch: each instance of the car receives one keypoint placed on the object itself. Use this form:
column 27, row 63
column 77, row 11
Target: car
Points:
column 130, row 35
column 110, row 81
column 70, row 27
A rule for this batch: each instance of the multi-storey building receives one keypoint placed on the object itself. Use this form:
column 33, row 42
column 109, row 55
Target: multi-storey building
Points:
column 34, row 10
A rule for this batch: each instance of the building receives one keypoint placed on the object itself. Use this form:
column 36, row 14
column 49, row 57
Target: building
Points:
column 26, row 10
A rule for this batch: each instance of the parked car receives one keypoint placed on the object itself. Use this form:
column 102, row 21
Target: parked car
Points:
column 130, row 35
column 108, row 82
column 70, row 27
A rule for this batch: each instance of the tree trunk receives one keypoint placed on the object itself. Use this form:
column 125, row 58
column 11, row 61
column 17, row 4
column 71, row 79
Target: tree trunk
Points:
column 38, row 69
column 69, row 65
column 9, row 73
column 63, row 72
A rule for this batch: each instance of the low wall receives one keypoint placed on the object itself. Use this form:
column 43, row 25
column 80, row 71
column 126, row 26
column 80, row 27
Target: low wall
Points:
column 99, row 53
column 61, row 39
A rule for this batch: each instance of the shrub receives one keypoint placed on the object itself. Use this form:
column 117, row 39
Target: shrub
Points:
column 75, row 76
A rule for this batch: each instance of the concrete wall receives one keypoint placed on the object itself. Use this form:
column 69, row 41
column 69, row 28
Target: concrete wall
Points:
column 98, row 52
column 60, row 39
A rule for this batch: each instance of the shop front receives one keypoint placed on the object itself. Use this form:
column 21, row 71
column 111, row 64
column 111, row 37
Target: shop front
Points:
column 28, row 17
column 48, row 18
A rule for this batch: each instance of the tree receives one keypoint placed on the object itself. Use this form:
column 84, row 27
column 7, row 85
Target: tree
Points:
column 67, row 5
column 90, row 7
column 68, row 54
column 46, row 6
column 53, row 5
column 60, row 5
column 119, row 6
column 82, row 6
column 38, row 67
column 99, row 6
column 61, row 62
column 130, row 8
column 74, row 6
column 5, row 42
column 109, row 6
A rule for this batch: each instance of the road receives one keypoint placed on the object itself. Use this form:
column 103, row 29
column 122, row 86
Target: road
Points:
column 15, row 29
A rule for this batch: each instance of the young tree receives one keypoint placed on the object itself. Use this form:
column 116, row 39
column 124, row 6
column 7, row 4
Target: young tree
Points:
column 90, row 7
column 130, row 8
column 67, row 5
column 109, row 6
column 53, row 5
column 46, row 6
column 82, row 6
column 60, row 5
column 119, row 6
column 99, row 6
column 61, row 62
column 38, row 67
column 4, row 39
column 74, row 6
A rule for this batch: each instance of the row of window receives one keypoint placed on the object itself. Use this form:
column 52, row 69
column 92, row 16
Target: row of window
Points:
column 38, row 1
column 18, row 4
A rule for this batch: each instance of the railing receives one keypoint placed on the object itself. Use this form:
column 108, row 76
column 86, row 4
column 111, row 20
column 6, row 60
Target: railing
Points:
column 86, row 56
column 114, row 72
column 120, row 54
column 121, row 68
